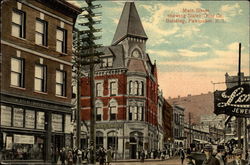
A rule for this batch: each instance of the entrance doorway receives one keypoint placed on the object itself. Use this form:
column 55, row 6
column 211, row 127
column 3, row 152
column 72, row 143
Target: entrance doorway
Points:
column 133, row 151
column 57, row 145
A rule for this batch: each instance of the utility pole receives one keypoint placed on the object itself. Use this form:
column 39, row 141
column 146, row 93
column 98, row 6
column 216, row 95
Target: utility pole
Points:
column 239, row 119
column 85, row 58
column 189, row 122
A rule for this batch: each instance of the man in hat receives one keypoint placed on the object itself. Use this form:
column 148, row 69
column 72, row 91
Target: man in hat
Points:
column 209, row 160
column 238, row 158
column 220, row 154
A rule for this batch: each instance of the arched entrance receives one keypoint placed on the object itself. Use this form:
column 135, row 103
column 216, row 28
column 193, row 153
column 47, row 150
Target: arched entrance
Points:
column 136, row 144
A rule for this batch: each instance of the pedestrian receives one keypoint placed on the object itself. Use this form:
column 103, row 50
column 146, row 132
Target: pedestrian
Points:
column 102, row 155
column 220, row 154
column 142, row 156
column 70, row 158
column 182, row 155
column 209, row 159
column 109, row 155
column 190, row 160
column 74, row 155
column 79, row 156
column 63, row 156
column 238, row 158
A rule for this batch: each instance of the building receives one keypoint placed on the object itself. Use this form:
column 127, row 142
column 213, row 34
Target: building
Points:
column 36, row 51
column 167, row 119
column 178, row 126
column 126, row 92
column 161, row 130
column 231, row 127
column 197, row 105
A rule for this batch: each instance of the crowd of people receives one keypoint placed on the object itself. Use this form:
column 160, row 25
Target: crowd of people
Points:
column 77, row 156
column 208, row 157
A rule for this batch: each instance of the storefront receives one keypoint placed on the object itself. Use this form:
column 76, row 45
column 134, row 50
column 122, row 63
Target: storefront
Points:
column 25, row 134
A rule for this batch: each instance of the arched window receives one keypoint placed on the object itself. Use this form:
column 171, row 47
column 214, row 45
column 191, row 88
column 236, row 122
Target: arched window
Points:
column 136, row 88
column 99, row 139
column 112, row 140
column 131, row 86
column 99, row 110
column 113, row 109
column 141, row 89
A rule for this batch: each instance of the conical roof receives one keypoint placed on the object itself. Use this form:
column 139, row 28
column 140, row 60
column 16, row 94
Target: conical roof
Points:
column 129, row 24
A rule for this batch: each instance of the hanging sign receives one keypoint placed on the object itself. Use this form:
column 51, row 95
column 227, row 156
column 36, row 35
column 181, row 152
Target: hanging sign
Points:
column 234, row 101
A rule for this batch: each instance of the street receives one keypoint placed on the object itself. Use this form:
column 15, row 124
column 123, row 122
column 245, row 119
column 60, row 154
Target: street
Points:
column 173, row 161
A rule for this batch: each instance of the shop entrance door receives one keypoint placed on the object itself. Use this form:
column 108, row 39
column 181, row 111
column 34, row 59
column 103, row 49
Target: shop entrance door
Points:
column 133, row 151
column 57, row 145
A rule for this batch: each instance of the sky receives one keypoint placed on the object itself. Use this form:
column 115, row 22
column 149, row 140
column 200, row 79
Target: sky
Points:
column 194, row 43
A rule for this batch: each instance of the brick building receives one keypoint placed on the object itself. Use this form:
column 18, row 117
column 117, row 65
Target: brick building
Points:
column 126, row 91
column 36, row 51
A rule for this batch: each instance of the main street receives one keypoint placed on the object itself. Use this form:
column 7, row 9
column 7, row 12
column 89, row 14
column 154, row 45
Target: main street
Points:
column 173, row 161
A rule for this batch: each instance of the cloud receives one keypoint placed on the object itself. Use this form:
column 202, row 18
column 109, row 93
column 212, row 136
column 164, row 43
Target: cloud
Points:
column 161, row 53
column 229, row 11
column 189, row 53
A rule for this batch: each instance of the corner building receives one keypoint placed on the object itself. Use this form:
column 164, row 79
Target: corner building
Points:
column 36, row 52
column 126, row 92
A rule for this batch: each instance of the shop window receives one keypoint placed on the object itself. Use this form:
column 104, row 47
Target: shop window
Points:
column 18, row 24
column 17, row 72
column 112, row 140
column 60, row 83
column 6, row 113
column 23, row 147
column 29, row 119
column 40, row 78
column 99, row 139
column 57, row 123
column 18, row 117
column 41, row 32
column 61, row 40
column 40, row 120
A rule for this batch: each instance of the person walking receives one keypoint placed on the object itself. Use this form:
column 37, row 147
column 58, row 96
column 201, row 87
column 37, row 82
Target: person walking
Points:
column 70, row 158
column 209, row 159
column 220, row 154
column 142, row 156
column 63, row 156
column 102, row 155
column 182, row 155
column 238, row 158
column 109, row 155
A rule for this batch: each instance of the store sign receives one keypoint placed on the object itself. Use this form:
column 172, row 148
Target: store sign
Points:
column 56, row 122
column 18, row 117
column 40, row 120
column 5, row 115
column 24, row 139
column 29, row 119
column 234, row 101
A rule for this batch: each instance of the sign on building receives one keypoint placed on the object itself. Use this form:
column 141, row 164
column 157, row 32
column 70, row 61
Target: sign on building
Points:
column 234, row 101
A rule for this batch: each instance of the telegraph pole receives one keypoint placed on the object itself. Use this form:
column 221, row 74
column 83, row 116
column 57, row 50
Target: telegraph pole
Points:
column 239, row 119
column 189, row 121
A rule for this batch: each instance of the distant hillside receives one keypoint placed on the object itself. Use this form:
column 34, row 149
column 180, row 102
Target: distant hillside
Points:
column 197, row 105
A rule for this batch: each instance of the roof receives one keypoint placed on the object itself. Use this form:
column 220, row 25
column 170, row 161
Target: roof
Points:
column 129, row 24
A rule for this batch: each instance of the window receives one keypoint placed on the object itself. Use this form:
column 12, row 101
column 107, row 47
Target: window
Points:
column 17, row 72
column 131, row 86
column 113, row 88
column 40, row 78
column 140, row 113
column 60, row 83
column 113, row 112
column 99, row 89
column 136, row 113
column 141, row 89
column 18, row 24
column 99, row 139
column 107, row 62
column 61, row 40
column 98, row 114
column 41, row 32
column 130, row 115
column 112, row 140
column 135, row 90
